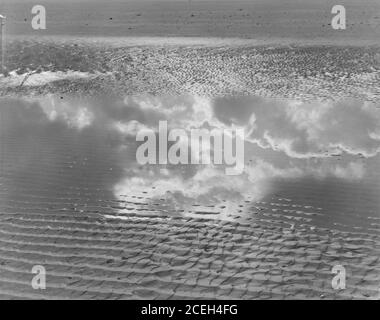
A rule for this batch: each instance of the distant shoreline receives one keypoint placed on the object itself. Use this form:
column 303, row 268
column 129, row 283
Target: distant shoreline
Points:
column 202, row 66
column 129, row 41
column 265, row 21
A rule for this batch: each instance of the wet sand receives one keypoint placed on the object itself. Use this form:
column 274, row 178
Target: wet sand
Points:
column 208, row 67
column 58, row 209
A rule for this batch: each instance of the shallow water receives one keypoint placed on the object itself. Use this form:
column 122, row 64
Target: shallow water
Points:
column 73, row 199
column 82, row 152
column 247, row 19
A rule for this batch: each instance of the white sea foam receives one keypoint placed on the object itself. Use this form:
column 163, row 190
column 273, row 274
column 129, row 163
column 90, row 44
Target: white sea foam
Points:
column 42, row 78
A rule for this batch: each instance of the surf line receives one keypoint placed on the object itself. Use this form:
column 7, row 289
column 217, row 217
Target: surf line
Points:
column 177, row 147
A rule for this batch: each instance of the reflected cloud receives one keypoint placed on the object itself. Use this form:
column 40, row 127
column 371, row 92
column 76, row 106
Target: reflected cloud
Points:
column 286, row 140
column 306, row 130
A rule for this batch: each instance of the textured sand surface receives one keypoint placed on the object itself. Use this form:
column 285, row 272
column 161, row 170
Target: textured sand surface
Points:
column 129, row 67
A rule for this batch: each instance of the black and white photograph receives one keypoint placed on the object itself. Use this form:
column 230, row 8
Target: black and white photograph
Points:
column 219, row 150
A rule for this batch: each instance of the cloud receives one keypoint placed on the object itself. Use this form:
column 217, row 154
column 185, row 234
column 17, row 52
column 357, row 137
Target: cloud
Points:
column 300, row 130
column 75, row 114
column 284, row 140
column 305, row 130
column 210, row 184
column 207, row 185
column 130, row 128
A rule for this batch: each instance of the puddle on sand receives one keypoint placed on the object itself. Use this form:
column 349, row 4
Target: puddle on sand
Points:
column 313, row 163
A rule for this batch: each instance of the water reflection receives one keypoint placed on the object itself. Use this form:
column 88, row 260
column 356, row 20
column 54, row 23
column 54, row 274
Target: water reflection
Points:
column 317, row 160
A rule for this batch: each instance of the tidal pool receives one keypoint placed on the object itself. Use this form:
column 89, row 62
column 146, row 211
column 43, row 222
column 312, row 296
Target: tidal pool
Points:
column 313, row 163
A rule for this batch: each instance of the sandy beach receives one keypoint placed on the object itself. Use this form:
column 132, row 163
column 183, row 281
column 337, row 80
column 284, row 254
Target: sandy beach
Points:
column 128, row 67
column 73, row 198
